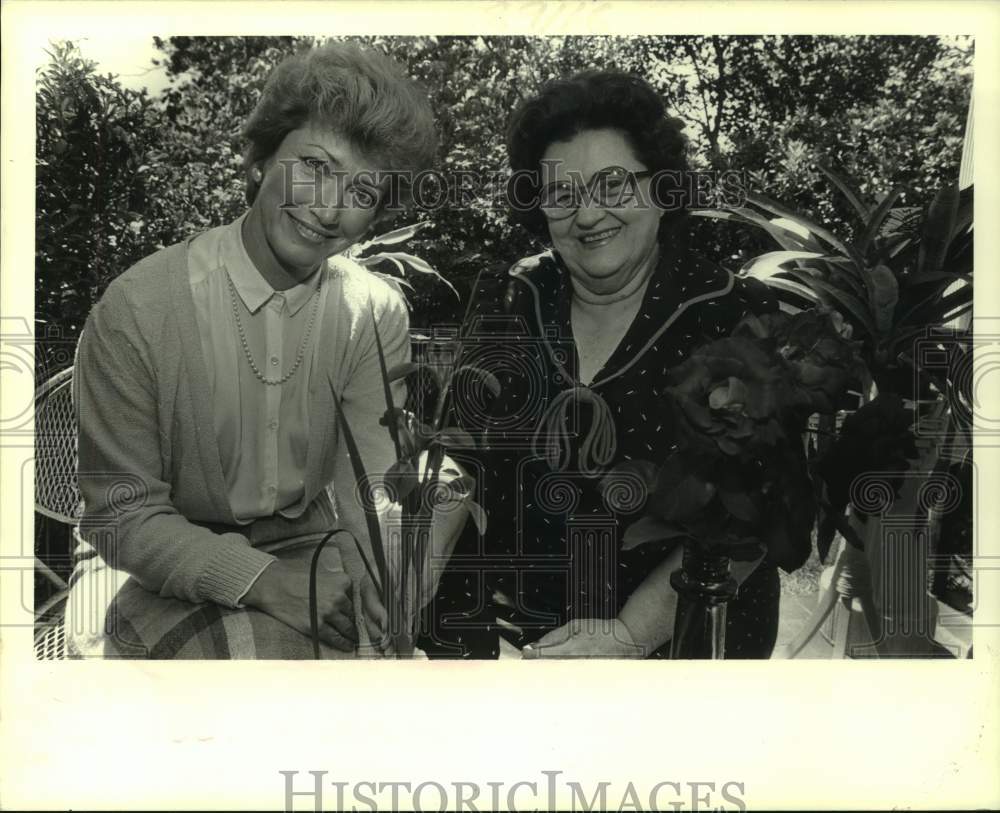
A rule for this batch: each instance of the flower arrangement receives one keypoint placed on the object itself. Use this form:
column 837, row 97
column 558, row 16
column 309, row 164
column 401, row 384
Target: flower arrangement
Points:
column 734, row 484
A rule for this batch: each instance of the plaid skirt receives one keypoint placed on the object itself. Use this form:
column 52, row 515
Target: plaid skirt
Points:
column 110, row 615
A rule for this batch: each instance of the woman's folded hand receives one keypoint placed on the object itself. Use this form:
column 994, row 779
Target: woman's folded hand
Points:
column 282, row 591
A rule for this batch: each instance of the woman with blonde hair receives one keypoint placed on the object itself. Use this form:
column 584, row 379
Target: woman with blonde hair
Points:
column 209, row 375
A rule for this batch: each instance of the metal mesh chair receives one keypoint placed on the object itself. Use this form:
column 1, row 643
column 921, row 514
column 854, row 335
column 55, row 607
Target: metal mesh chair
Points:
column 57, row 496
column 56, row 492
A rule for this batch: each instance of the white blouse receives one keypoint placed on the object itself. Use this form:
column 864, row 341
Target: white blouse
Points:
column 262, row 429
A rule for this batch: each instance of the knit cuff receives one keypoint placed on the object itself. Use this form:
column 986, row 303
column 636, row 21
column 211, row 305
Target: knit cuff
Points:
column 231, row 571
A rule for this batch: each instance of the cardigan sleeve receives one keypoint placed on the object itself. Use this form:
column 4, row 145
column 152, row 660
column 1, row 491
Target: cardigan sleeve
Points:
column 128, row 514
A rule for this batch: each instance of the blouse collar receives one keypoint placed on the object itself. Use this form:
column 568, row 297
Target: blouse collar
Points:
column 249, row 283
column 681, row 280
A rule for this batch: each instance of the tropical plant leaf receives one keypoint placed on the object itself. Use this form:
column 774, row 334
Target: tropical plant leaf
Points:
column 455, row 438
column 952, row 315
column 890, row 246
column 767, row 265
column 375, row 259
column 848, row 192
column 650, row 529
column 932, row 309
column 462, row 485
column 417, row 264
column 386, row 388
column 824, row 234
column 884, row 294
column 844, row 279
column 402, row 478
column 396, row 283
column 806, row 237
column 786, row 238
column 938, row 229
column 790, row 287
column 490, row 381
column 940, row 276
column 963, row 217
column 478, row 515
column 902, row 220
column 397, row 236
column 837, row 298
column 877, row 218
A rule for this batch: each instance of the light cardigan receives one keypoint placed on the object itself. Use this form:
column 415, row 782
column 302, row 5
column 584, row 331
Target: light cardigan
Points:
column 144, row 408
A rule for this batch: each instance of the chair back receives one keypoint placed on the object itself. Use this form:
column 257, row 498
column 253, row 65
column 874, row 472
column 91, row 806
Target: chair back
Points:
column 57, row 494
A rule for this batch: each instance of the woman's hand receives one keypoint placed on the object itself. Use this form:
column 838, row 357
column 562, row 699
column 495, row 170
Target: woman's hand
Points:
column 586, row 638
column 282, row 591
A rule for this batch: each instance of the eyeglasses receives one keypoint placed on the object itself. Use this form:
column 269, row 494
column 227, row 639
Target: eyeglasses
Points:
column 609, row 188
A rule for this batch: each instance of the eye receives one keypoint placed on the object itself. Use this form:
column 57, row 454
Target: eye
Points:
column 557, row 195
column 364, row 197
column 315, row 164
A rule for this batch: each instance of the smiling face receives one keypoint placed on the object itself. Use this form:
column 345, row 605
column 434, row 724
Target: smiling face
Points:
column 604, row 248
column 316, row 198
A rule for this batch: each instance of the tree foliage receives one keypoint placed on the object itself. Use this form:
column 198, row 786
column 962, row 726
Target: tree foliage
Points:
column 121, row 174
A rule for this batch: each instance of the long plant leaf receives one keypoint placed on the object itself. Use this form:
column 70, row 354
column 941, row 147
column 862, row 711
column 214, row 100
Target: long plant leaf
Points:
column 361, row 476
column 883, row 296
column 878, row 217
column 397, row 236
column 488, row 379
column 824, row 234
column 786, row 239
column 835, row 296
column 929, row 310
column 836, row 274
column 386, row 388
column 963, row 217
column 767, row 265
column 795, row 288
column 938, row 229
column 852, row 197
column 417, row 264
column 313, row 600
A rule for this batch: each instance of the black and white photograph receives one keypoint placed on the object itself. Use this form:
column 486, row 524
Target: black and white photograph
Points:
column 432, row 351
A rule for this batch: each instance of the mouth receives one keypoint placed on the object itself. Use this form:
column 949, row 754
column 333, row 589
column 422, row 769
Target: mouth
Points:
column 599, row 238
column 309, row 233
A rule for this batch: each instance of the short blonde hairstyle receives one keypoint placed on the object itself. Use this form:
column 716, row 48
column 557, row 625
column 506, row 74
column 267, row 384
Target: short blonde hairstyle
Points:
column 360, row 94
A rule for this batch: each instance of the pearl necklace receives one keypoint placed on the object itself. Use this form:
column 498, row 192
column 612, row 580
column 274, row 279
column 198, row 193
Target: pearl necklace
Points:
column 246, row 345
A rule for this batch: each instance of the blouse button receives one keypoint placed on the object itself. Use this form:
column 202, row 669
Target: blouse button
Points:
column 272, row 424
column 274, row 360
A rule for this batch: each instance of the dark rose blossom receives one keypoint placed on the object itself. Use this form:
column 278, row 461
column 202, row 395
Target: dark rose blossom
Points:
column 737, row 480
column 816, row 344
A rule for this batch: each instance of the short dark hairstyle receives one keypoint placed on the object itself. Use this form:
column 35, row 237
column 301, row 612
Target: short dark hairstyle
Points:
column 359, row 93
column 592, row 100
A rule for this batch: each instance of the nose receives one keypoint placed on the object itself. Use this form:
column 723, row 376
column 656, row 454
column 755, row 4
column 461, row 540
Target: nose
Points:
column 328, row 207
column 589, row 214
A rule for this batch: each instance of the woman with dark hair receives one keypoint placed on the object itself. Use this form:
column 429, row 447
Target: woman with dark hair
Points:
column 589, row 331
column 209, row 376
